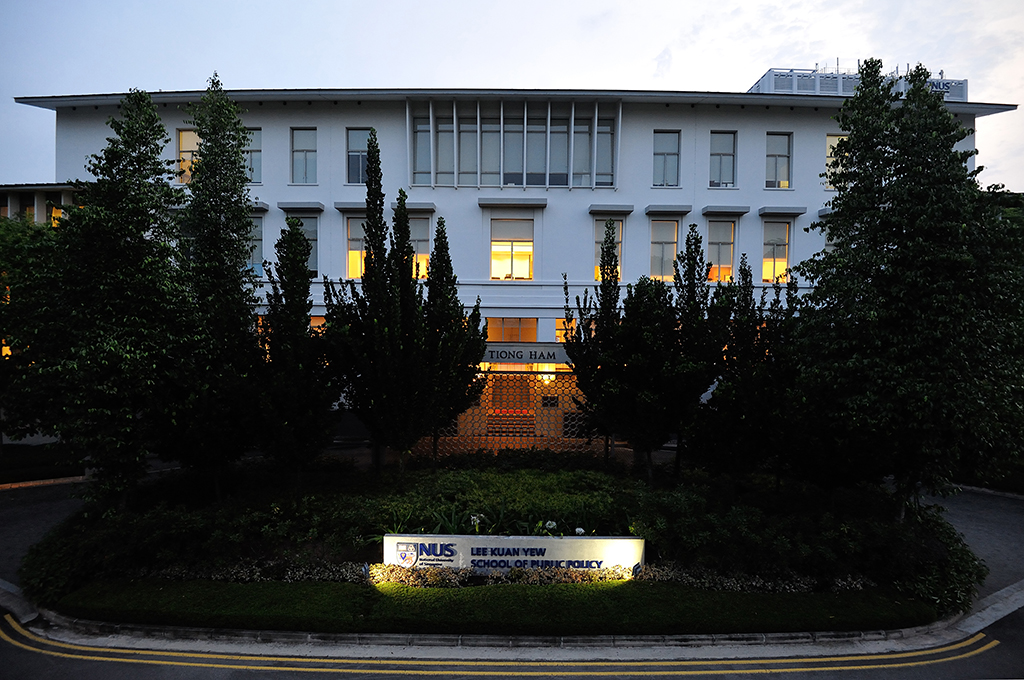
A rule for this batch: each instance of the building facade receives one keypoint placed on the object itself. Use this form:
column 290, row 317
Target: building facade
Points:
column 525, row 180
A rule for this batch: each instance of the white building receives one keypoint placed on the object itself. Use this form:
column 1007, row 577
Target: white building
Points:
column 525, row 179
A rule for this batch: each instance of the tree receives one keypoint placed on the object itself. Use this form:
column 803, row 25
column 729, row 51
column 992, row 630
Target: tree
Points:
column 218, row 408
column 748, row 415
column 700, row 346
column 911, row 345
column 590, row 342
column 647, row 367
column 298, row 401
column 93, row 309
column 455, row 343
column 376, row 331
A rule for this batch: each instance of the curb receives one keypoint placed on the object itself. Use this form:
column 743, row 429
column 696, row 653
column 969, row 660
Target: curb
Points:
column 100, row 628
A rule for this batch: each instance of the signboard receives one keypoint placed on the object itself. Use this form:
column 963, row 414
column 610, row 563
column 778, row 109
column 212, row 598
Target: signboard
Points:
column 501, row 553
column 525, row 353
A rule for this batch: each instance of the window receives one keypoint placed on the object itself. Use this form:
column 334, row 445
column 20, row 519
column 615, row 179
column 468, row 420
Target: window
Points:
column 500, row 329
column 253, row 154
column 356, row 247
column 421, row 151
column 467, row 151
column 511, row 249
column 664, row 236
column 303, row 155
column 419, row 236
column 723, row 159
column 776, row 252
column 256, row 245
column 309, row 228
column 599, row 225
column 830, row 153
column 357, row 143
column 512, row 173
column 666, row 159
column 513, row 143
column 561, row 329
column 445, row 150
column 721, row 237
column 776, row 173
column 188, row 152
column 605, row 146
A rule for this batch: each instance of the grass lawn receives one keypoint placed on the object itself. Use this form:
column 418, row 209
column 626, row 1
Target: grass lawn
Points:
column 609, row 608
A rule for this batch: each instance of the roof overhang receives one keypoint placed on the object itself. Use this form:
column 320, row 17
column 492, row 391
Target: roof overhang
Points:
column 741, row 99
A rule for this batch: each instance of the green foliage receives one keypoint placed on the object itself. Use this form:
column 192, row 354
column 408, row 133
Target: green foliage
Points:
column 646, row 368
column 709, row 532
column 298, row 399
column 93, row 309
column 404, row 365
column 911, row 334
column 590, row 339
column 216, row 403
column 455, row 343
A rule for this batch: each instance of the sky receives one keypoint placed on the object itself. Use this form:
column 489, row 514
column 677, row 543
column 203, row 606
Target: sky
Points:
column 67, row 47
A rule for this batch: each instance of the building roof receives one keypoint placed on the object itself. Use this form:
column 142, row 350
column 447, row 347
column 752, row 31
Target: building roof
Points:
column 383, row 94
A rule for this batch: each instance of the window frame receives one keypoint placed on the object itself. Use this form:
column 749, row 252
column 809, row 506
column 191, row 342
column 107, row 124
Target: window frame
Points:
column 256, row 257
column 253, row 153
column 524, row 251
column 306, row 164
column 772, row 162
column 599, row 222
column 720, row 155
column 715, row 271
column 663, row 156
column 185, row 164
column 781, row 278
column 314, row 253
column 670, row 276
column 359, row 155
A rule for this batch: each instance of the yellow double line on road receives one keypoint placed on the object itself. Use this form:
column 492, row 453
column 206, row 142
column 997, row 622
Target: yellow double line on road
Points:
column 961, row 650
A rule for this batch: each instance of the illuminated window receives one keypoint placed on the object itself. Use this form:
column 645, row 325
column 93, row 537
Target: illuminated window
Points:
column 188, row 152
column 723, row 159
column 53, row 207
column 503, row 329
column 666, row 159
column 310, row 229
column 599, row 225
column 254, row 156
column 561, row 329
column 511, row 249
column 303, row 155
column 356, row 247
column 419, row 236
column 664, row 235
column 358, row 140
column 777, row 161
column 776, row 252
column 721, row 236
column 830, row 153
column 256, row 243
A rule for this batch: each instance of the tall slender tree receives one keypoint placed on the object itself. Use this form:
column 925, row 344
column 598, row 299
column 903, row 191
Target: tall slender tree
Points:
column 218, row 407
column 455, row 343
column 93, row 314
column 376, row 329
column 590, row 341
column 298, row 402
